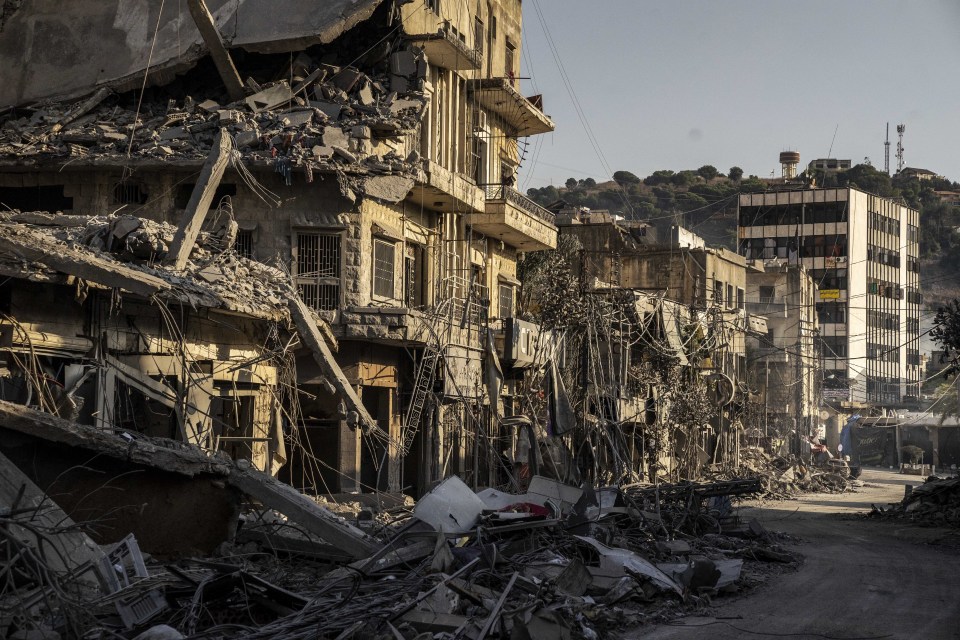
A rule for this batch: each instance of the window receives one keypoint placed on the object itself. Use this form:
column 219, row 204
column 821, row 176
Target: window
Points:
column 433, row 5
column 129, row 193
column 493, row 27
column 317, row 263
column 831, row 312
column 506, row 300
column 384, row 263
column 509, row 64
column 244, row 244
column 740, row 299
column 835, row 347
column 478, row 36
column 730, row 299
column 718, row 293
column 413, row 276
column 767, row 293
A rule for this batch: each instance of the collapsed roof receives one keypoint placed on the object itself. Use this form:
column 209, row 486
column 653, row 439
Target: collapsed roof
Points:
column 124, row 251
column 64, row 50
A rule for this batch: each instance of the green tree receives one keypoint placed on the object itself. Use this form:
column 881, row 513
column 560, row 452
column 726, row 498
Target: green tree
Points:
column 684, row 178
column 623, row 178
column 571, row 183
column 589, row 183
column 867, row 178
column 735, row 173
column 663, row 176
column 708, row 172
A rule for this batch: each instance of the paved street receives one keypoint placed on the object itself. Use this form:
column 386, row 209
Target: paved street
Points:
column 861, row 578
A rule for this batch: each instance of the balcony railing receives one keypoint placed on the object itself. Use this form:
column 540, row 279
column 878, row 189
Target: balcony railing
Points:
column 503, row 193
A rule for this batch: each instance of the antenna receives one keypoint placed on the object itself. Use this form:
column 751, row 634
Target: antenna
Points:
column 886, row 152
column 835, row 129
column 900, row 129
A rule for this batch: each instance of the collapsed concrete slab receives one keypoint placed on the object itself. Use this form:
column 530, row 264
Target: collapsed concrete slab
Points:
column 173, row 497
column 48, row 38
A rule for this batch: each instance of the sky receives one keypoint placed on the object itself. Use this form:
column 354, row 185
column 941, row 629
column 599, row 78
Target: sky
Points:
column 680, row 84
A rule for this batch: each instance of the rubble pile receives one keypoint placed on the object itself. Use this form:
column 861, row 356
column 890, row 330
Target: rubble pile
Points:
column 936, row 502
column 215, row 275
column 783, row 477
column 555, row 562
column 327, row 119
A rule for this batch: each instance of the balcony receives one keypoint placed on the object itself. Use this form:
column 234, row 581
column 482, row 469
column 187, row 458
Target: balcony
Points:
column 446, row 50
column 770, row 307
column 515, row 219
column 499, row 96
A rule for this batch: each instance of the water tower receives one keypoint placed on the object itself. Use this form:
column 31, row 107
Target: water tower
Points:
column 788, row 163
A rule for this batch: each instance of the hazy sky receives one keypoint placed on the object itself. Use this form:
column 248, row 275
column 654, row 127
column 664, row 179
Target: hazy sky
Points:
column 679, row 84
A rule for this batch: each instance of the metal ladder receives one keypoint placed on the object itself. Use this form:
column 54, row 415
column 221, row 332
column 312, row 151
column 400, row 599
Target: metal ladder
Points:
column 426, row 372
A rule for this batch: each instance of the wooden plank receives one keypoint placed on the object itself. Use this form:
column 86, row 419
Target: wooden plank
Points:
column 200, row 200
column 164, row 454
column 214, row 41
column 310, row 336
column 301, row 509
column 33, row 247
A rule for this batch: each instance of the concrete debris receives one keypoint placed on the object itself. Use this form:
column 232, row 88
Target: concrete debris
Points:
column 936, row 502
column 530, row 579
column 354, row 117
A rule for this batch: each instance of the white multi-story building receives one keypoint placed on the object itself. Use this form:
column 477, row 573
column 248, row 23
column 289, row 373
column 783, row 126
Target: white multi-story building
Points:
column 863, row 253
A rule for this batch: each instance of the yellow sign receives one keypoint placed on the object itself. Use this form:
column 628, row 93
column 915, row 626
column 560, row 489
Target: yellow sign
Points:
column 830, row 294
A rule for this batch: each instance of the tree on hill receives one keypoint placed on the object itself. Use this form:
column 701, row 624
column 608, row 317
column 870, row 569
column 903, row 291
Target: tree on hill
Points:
column 684, row 178
column 589, row 183
column 735, row 173
column 708, row 172
column 624, row 178
column 664, row 176
column 571, row 183
column 866, row 178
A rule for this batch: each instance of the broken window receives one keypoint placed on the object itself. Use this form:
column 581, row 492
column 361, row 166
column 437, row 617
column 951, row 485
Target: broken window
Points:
column 718, row 293
column 433, row 5
column 384, row 261
column 506, row 300
column 244, row 244
column 509, row 63
column 48, row 198
column 129, row 192
column 317, row 263
column 233, row 425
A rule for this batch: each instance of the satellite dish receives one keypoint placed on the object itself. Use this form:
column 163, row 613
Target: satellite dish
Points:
column 824, row 415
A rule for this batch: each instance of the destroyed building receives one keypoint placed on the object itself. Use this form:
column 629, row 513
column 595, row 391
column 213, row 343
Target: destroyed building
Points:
column 378, row 177
column 687, row 303
column 783, row 361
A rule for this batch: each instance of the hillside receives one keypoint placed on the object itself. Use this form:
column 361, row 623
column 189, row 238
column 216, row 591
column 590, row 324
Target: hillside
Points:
column 705, row 201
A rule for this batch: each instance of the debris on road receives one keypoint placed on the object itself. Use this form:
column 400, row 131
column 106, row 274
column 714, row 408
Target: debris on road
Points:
column 486, row 564
column 936, row 502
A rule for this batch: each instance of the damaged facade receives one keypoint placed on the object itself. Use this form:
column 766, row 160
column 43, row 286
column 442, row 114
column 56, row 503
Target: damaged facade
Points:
column 384, row 189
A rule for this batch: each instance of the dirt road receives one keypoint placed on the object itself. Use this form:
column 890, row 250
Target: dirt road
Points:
column 860, row 579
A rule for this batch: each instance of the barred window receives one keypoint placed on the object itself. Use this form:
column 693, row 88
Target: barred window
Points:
column 316, row 262
column 506, row 300
column 244, row 244
column 384, row 263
